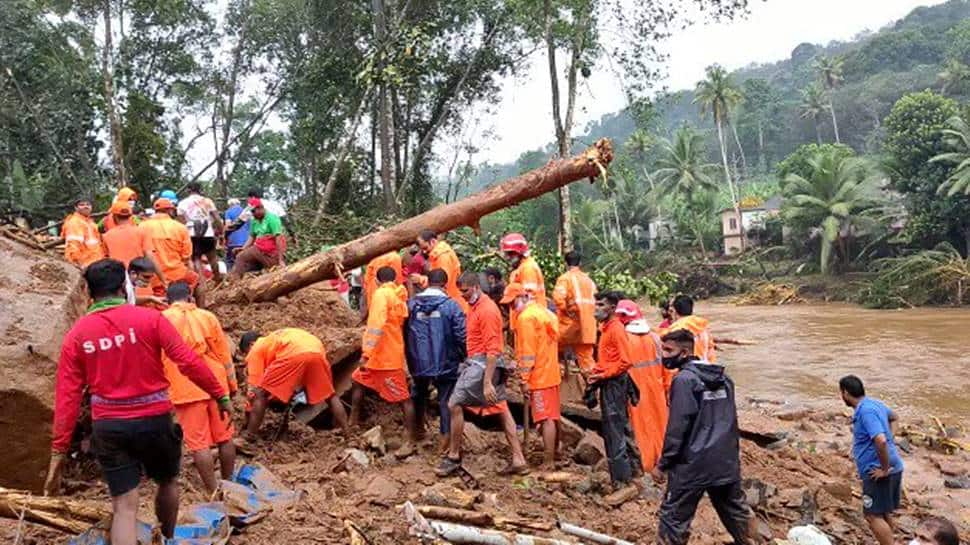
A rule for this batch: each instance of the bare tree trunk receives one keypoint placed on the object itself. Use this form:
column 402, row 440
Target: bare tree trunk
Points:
column 117, row 147
column 343, row 150
column 444, row 218
column 762, row 160
column 727, row 176
column 744, row 160
column 385, row 116
column 835, row 123
column 228, row 112
column 818, row 132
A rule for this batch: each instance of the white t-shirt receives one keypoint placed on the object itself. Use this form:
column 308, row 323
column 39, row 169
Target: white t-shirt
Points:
column 197, row 208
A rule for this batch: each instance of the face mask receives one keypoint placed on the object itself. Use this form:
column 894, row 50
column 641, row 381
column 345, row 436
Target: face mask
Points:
column 601, row 315
column 520, row 304
column 674, row 362
column 474, row 298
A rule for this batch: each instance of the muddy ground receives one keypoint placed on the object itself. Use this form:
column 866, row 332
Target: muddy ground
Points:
column 806, row 477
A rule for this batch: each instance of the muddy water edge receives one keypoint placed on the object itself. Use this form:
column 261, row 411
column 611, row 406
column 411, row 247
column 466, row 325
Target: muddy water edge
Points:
column 917, row 360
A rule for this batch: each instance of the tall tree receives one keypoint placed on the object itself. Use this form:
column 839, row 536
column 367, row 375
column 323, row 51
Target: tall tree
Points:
column 682, row 170
column 812, row 106
column 718, row 95
column 830, row 74
column 956, row 138
column 762, row 103
column 830, row 201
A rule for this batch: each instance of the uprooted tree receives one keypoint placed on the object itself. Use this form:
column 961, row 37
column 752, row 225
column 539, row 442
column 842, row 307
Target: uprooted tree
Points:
column 466, row 212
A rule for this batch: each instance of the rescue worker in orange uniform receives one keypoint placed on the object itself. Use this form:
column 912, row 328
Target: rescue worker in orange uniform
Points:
column 281, row 364
column 525, row 270
column 173, row 248
column 126, row 195
column 390, row 259
column 610, row 377
column 648, row 418
column 82, row 241
column 198, row 414
column 575, row 300
column 441, row 256
column 126, row 242
column 383, row 362
column 537, row 355
column 684, row 318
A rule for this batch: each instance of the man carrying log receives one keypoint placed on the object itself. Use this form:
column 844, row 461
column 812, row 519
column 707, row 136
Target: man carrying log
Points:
column 536, row 352
column 383, row 364
column 441, row 256
column 82, row 241
column 281, row 364
column 481, row 377
column 576, row 308
column 133, row 428
column 203, row 424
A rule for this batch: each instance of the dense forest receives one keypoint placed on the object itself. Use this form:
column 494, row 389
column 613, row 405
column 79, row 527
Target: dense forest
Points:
column 335, row 109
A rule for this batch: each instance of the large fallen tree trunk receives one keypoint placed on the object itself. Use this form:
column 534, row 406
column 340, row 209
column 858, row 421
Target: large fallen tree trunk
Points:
column 66, row 515
column 468, row 211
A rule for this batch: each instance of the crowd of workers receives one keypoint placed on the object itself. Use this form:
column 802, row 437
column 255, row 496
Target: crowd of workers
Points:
column 667, row 408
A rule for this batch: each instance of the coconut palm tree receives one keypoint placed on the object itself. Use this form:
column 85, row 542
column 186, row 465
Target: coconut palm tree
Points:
column 719, row 95
column 832, row 200
column 956, row 137
column 954, row 76
column 812, row 106
column 682, row 169
column 830, row 73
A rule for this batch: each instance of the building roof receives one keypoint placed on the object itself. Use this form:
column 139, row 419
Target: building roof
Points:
column 772, row 204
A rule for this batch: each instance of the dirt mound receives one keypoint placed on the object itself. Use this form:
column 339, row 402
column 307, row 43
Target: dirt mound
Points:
column 41, row 296
column 317, row 309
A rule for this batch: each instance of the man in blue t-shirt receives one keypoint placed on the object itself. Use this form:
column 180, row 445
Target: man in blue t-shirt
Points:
column 237, row 231
column 876, row 457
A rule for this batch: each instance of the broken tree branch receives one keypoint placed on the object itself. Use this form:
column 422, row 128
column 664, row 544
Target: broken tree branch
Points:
column 468, row 211
column 69, row 516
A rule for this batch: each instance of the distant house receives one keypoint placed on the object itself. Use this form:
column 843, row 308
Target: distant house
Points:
column 753, row 219
column 659, row 231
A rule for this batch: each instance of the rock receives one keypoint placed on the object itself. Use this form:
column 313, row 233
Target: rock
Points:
column 445, row 495
column 754, row 492
column 590, row 450
column 952, row 468
column 960, row 483
column 807, row 535
column 622, row 496
column 571, row 433
column 807, row 426
column 381, row 489
column 954, row 432
column 584, row 486
column 474, row 439
column 840, row 490
column 375, row 439
column 650, row 490
column 791, row 414
column 791, row 497
column 356, row 456
column 904, row 445
column 764, row 531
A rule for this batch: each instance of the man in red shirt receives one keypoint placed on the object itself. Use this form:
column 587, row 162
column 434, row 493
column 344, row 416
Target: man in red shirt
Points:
column 116, row 352
column 481, row 378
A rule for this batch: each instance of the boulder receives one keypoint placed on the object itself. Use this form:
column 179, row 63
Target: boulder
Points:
column 590, row 450
column 381, row 489
column 41, row 296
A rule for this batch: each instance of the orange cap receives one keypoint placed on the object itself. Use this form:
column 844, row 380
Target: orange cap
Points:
column 120, row 208
column 512, row 291
column 163, row 204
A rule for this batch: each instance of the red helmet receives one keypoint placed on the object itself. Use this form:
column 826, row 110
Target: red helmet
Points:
column 514, row 242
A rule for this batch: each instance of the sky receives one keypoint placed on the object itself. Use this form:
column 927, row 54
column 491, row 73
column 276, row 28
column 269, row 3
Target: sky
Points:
column 523, row 119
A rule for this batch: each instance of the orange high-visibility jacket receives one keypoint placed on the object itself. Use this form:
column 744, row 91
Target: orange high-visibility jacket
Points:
column 173, row 247
column 279, row 346
column 82, row 241
column 383, row 344
column 390, row 259
column 530, row 276
column 703, row 341
column 575, row 307
column 613, row 352
column 442, row 256
column 202, row 332
column 649, row 417
column 125, row 194
column 537, row 346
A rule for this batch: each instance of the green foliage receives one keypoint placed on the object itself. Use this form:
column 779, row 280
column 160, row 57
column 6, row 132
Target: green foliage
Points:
column 830, row 202
column 682, row 169
column 799, row 161
column 957, row 140
column 936, row 276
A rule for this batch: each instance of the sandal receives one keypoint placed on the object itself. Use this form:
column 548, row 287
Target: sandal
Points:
column 511, row 470
column 447, row 467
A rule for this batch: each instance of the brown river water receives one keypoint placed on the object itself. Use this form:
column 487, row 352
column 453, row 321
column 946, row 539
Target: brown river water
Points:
column 916, row 360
